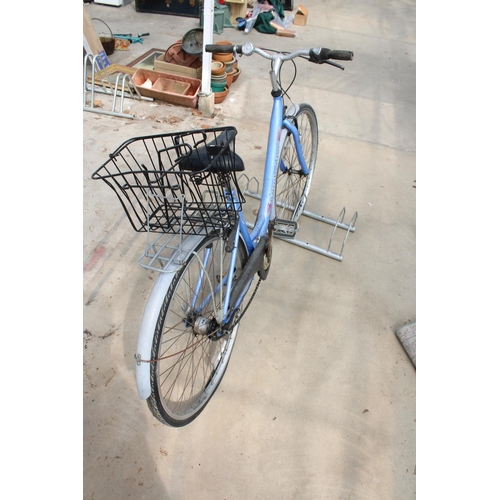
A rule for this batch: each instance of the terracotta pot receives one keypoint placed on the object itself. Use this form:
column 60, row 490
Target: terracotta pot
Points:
column 218, row 77
column 218, row 68
column 230, row 77
column 221, row 56
column 236, row 74
column 175, row 55
column 220, row 96
column 230, row 65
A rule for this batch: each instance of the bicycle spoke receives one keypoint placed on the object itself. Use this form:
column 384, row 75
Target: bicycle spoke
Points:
column 190, row 360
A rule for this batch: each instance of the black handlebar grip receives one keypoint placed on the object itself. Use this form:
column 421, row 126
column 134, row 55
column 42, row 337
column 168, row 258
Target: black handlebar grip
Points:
column 219, row 48
column 341, row 55
column 320, row 55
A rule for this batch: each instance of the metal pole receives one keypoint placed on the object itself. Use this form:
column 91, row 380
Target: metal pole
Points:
column 208, row 36
column 206, row 98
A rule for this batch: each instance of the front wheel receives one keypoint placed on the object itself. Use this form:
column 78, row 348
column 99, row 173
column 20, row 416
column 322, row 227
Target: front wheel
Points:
column 292, row 184
column 190, row 351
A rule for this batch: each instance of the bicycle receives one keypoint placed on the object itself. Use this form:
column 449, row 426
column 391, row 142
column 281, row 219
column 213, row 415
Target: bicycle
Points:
column 184, row 186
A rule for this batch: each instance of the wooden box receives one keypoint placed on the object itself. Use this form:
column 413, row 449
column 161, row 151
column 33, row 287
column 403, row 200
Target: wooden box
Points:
column 177, row 69
column 238, row 9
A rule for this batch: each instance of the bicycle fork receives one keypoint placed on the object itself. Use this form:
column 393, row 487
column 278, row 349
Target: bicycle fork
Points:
column 292, row 129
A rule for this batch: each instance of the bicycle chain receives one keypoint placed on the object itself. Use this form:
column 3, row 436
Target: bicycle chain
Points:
column 250, row 301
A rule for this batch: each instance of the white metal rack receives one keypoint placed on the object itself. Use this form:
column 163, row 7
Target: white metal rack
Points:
column 335, row 223
column 100, row 82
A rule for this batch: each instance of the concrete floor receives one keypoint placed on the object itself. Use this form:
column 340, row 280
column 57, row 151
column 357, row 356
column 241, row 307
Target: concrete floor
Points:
column 318, row 401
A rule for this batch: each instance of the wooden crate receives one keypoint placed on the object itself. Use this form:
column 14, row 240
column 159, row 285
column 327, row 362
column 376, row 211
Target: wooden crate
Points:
column 238, row 9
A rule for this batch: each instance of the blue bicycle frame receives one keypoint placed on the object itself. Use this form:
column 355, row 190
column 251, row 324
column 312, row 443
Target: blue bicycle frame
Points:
column 280, row 125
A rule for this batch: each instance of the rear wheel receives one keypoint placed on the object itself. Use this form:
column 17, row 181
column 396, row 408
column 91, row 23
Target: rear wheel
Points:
column 292, row 184
column 191, row 353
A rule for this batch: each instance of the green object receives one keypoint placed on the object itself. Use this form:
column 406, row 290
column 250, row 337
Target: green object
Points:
column 222, row 18
column 263, row 23
column 218, row 21
column 217, row 88
column 131, row 39
column 278, row 7
column 227, row 14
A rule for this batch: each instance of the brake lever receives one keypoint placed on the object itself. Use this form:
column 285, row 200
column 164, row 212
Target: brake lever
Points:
column 323, row 62
column 334, row 64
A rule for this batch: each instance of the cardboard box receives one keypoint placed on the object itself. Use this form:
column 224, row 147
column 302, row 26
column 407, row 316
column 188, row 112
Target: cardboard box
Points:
column 300, row 18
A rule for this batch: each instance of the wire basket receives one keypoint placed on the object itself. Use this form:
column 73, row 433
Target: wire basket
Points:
column 178, row 183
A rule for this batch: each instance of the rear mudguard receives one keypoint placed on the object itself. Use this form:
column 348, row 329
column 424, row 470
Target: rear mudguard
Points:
column 150, row 317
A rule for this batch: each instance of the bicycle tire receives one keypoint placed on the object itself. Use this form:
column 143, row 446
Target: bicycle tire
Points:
column 190, row 365
column 292, row 186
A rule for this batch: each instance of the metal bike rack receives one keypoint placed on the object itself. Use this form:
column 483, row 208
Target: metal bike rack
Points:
column 335, row 223
column 101, row 83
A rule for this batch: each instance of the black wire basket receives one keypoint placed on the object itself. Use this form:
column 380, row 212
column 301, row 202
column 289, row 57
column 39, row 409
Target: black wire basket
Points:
column 177, row 183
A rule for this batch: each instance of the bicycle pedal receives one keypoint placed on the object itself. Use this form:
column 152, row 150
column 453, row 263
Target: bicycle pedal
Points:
column 285, row 228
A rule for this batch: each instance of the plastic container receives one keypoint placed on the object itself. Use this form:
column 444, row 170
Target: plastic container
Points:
column 172, row 86
column 190, row 99
column 217, row 88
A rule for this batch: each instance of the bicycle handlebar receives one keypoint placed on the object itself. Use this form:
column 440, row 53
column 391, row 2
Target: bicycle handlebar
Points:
column 222, row 48
column 320, row 55
column 317, row 55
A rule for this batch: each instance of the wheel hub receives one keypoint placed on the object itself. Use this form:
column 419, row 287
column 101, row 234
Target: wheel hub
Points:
column 201, row 325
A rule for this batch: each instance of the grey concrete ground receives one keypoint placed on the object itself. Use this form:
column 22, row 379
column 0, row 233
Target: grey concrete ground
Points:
column 319, row 398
